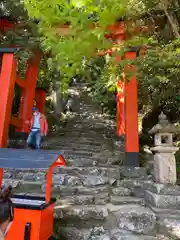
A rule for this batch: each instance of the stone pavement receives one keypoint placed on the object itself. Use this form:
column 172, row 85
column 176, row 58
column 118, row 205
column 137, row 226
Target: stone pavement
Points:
column 97, row 198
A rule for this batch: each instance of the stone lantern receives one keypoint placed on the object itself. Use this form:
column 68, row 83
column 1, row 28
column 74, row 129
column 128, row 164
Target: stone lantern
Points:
column 164, row 150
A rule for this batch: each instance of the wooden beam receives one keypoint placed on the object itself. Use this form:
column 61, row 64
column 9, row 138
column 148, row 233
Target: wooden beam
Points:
column 28, row 93
column 21, row 83
column 131, row 111
column 7, row 81
column 16, row 122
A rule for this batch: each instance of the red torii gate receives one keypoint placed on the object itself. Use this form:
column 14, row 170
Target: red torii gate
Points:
column 8, row 78
column 127, row 108
column 127, row 98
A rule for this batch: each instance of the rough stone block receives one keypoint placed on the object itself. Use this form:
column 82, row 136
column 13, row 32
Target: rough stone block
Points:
column 133, row 172
column 76, row 200
column 121, row 191
column 136, row 186
column 91, row 180
column 86, row 213
column 163, row 189
column 116, row 200
column 170, row 228
column 101, row 199
column 162, row 201
column 165, row 167
column 135, row 218
column 72, row 233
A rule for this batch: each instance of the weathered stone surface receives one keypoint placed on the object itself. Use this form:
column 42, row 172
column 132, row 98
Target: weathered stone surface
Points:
column 72, row 181
column 136, row 237
column 101, row 237
column 72, row 233
column 101, row 199
column 162, row 201
column 165, row 166
column 116, row 200
column 96, row 180
column 108, row 171
column 133, row 172
column 99, row 233
column 65, row 191
column 76, row 200
column 163, row 189
column 82, row 212
column 134, row 218
column 136, row 186
column 121, row 191
column 170, row 228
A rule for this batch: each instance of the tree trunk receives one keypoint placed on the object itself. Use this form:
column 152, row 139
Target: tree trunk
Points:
column 57, row 96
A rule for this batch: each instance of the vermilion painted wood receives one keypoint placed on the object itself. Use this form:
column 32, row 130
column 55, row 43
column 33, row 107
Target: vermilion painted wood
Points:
column 21, row 83
column 6, row 24
column 41, row 99
column 28, row 93
column 131, row 108
column 7, row 81
column 16, row 122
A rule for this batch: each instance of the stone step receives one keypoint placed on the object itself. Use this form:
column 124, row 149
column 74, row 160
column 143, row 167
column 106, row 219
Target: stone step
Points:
column 100, row 233
column 118, row 200
column 120, row 192
column 133, row 172
column 102, row 198
column 131, row 217
column 66, row 180
column 83, row 173
column 58, row 189
column 137, row 186
column 170, row 227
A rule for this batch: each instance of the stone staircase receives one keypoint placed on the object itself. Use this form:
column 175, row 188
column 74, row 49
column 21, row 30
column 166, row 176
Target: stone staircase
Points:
column 97, row 197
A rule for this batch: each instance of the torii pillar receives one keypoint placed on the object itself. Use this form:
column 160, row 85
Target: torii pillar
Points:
column 40, row 98
column 131, row 115
column 127, row 101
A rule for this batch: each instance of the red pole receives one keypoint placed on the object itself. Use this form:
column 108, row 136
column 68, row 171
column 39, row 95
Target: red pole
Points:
column 29, row 91
column 131, row 119
column 41, row 99
column 7, row 81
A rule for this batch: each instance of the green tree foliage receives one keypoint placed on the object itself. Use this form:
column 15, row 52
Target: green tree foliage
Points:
column 88, row 22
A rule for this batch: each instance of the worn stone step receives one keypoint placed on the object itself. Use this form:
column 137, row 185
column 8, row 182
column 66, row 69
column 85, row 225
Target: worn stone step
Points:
column 137, row 186
column 81, row 140
column 67, row 180
column 169, row 227
column 121, row 192
column 102, row 198
column 131, row 217
column 162, row 201
column 118, row 200
column 66, row 191
column 83, row 180
column 80, row 212
column 133, row 172
column 58, row 189
column 112, row 172
column 100, row 233
column 89, row 175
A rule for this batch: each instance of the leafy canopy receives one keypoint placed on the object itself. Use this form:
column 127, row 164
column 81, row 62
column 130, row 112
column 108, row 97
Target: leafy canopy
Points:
column 88, row 21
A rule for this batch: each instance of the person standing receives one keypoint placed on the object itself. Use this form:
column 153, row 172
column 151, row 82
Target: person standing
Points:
column 38, row 128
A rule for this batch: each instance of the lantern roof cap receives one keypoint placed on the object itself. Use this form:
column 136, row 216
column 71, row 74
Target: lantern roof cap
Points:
column 163, row 126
